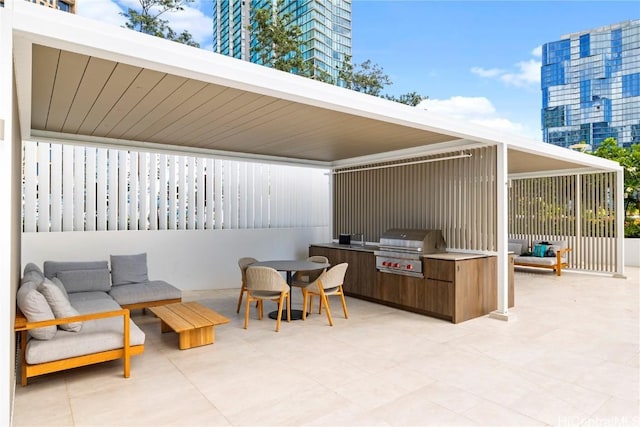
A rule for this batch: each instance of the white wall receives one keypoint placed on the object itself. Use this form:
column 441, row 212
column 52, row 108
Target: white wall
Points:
column 188, row 259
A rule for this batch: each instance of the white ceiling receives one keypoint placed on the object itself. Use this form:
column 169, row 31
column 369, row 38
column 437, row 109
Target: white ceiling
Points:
column 83, row 81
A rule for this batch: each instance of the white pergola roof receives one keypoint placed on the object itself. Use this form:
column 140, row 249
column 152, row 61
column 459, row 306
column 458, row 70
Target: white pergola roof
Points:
column 83, row 81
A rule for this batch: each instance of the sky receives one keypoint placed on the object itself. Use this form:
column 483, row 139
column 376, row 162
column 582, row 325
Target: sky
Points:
column 477, row 61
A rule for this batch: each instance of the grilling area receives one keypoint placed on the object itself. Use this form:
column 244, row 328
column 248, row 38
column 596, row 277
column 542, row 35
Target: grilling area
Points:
column 428, row 196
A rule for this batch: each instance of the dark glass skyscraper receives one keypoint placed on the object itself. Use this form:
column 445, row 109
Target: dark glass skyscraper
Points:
column 325, row 25
column 591, row 86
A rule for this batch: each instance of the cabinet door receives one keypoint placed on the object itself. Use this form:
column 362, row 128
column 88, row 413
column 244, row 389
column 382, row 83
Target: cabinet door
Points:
column 436, row 296
column 360, row 276
column 399, row 290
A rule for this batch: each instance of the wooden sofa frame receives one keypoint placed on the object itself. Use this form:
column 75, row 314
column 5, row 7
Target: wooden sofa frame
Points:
column 27, row 371
column 557, row 267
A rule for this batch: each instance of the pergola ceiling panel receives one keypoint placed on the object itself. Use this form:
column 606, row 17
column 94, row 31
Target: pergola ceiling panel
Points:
column 82, row 95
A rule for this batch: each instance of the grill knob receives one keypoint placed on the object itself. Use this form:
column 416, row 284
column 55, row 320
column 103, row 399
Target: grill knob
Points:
column 385, row 264
column 409, row 267
column 396, row 265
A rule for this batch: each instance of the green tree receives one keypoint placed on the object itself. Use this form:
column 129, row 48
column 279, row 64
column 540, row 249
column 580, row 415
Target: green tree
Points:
column 278, row 42
column 366, row 77
column 148, row 20
column 410, row 98
column 629, row 159
column 371, row 79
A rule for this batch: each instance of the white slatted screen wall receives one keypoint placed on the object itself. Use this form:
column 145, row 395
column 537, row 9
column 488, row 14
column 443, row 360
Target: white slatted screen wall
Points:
column 74, row 188
column 578, row 208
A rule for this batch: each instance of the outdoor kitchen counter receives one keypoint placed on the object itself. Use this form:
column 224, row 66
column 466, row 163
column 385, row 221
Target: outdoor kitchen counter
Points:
column 456, row 286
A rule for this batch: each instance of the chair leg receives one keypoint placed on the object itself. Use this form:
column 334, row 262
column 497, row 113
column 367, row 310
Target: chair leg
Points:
column 304, row 304
column 326, row 307
column 246, row 311
column 280, row 304
column 242, row 291
column 344, row 304
column 289, row 311
column 260, row 309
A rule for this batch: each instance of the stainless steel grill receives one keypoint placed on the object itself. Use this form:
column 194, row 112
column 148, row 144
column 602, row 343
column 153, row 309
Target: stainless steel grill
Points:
column 402, row 250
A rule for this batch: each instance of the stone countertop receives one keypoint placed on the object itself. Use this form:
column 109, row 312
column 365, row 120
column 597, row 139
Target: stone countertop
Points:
column 455, row 256
column 351, row 247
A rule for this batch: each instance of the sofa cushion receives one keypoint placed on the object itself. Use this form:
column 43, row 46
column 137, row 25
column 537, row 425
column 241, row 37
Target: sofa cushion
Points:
column 556, row 245
column 536, row 260
column 32, row 273
column 155, row 290
column 60, row 285
column 35, row 308
column 85, row 280
column 516, row 248
column 60, row 305
column 127, row 269
column 95, row 336
column 52, row 268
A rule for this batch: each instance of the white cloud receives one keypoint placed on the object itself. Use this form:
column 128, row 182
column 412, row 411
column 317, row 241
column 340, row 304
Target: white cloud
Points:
column 477, row 110
column 524, row 73
column 101, row 10
column 537, row 51
column 528, row 74
column 191, row 18
column 483, row 72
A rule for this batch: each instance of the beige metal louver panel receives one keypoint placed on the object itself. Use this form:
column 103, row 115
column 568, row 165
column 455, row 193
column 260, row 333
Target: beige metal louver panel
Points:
column 457, row 196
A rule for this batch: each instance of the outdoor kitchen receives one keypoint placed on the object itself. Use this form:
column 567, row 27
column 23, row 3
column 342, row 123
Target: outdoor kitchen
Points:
column 411, row 269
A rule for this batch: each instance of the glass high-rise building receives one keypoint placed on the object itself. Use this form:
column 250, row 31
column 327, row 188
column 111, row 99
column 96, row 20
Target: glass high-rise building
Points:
column 591, row 86
column 325, row 25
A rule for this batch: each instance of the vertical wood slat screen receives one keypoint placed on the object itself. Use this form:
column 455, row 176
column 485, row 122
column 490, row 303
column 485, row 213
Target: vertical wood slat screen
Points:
column 578, row 208
column 73, row 188
column 457, row 196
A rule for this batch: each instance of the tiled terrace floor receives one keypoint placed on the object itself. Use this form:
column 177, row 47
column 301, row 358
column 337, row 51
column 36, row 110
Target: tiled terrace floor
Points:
column 571, row 357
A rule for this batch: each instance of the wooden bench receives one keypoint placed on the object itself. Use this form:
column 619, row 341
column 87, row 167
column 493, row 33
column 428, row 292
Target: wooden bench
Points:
column 193, row 322
column 22, row 326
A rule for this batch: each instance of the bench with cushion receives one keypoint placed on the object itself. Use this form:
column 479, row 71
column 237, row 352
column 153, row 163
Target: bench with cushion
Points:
column 73, row 315
column 552, row 256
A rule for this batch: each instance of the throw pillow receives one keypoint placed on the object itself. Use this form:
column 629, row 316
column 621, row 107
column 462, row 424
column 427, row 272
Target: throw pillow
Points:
column 85, row 280
column 128, row 269
column 539, row 250
column 516, row 248
column 35, row 308
column 60, row 285
column 60, row 305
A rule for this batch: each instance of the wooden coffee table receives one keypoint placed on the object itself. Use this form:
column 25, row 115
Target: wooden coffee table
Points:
column 193, row 322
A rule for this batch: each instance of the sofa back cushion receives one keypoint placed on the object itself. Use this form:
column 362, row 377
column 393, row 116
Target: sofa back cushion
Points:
column 518, row 246
column 85, row 280
column 35, row 308
column 551, row 247
column 128, row 269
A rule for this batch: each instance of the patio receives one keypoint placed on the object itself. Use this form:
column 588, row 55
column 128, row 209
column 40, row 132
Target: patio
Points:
column 570, row 356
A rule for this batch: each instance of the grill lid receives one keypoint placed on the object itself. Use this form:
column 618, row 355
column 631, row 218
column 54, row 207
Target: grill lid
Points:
column 425, row 241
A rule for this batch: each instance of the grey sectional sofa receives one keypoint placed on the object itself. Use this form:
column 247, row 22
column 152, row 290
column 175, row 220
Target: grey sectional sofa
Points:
column 77, row 313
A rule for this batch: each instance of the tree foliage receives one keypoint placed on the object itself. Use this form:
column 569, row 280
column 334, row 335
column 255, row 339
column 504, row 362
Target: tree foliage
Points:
column 629, row 159
column 371, row 79
column 148, row 20
column 278, row 42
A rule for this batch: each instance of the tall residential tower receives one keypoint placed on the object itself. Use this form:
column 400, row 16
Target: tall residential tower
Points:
column 325, row 25
column 591, row 86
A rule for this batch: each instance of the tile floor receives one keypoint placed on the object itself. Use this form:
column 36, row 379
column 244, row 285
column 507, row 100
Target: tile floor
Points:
column 571, row 357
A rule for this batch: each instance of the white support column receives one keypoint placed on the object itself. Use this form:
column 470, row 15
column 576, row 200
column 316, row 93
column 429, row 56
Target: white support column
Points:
column 620, row 223
column 502, row 230
column 10, row 178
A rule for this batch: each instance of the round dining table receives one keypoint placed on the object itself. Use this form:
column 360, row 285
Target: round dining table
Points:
column 290, row 266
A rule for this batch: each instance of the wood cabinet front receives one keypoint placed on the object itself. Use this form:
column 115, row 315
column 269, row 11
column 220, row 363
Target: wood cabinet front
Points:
column 456, row 289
